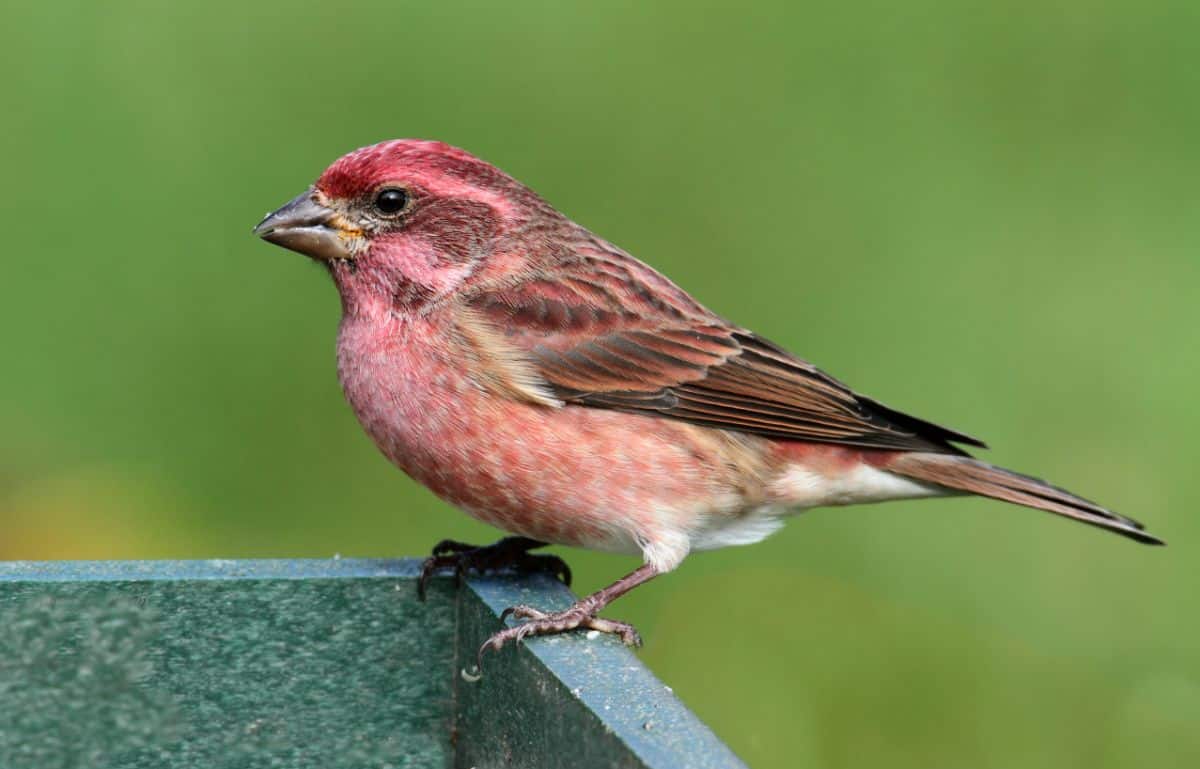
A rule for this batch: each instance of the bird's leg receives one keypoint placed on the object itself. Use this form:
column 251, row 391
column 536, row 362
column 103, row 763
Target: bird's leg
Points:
column 508, row 553
column 581, row 615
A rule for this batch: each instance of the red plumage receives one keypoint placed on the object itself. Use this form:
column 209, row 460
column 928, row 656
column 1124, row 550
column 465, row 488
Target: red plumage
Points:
column 555, row 387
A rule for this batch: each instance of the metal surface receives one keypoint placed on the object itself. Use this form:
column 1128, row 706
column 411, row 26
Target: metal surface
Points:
column 313, row 663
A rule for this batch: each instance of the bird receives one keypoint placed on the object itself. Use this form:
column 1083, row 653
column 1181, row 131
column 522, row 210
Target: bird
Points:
column 551, row 385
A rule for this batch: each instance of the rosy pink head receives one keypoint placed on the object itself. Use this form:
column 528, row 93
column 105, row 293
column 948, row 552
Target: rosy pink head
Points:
column 402, row 222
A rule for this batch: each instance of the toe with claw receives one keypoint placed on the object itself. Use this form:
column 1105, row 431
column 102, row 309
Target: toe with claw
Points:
column 540, row 623
column 509, row 553
column 582, row 615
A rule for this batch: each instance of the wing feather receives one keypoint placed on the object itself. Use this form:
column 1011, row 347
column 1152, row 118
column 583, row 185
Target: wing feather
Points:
column 612, row 333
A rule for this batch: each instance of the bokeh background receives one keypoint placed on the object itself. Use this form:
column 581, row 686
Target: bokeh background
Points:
column 985, row 213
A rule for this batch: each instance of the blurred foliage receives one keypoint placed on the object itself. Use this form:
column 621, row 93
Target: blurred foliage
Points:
column 984, row 213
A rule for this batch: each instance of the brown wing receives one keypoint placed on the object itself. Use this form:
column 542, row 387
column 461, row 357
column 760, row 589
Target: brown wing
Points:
column 616, row 334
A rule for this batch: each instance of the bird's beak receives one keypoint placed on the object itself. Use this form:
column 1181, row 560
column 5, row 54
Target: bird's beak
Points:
column 308, row 227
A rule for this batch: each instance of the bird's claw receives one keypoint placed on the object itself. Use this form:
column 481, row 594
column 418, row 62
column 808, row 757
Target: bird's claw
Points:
column 521, row 611
column 509, row 553
column 539, row 623
column 447, row 546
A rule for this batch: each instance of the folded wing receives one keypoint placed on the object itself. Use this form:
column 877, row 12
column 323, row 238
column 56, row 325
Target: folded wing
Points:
column 612, row 333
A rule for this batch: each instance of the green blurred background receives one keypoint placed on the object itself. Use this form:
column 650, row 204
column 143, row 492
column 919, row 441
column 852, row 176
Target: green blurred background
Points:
column 981, row 213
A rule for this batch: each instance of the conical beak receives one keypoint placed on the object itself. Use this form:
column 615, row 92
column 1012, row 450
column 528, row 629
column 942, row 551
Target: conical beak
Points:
column 306, row 226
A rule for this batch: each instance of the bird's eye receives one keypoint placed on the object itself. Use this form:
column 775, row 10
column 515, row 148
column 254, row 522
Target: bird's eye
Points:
column 391, row 200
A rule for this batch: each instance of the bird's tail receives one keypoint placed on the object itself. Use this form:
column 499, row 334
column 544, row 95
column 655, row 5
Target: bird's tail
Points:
column 961, row 473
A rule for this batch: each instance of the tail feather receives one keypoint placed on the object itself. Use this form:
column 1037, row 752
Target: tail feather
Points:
column 975, row 477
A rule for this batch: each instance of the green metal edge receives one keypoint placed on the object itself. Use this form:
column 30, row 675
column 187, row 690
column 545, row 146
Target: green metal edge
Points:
column 215, row 568
column 225, row 665
column 599, row 673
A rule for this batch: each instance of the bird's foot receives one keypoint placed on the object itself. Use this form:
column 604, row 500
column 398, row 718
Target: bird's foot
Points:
column 538, row 623
column 581, row 615
column 509, row 553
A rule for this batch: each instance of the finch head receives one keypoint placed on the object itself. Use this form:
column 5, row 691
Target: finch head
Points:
column 403, row 222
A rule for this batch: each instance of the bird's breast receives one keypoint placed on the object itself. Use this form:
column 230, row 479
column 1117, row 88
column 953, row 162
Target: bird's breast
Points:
column 573, row 475
column 403, row 386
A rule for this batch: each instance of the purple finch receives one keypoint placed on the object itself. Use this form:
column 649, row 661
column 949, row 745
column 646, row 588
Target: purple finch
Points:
column 555, row 387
